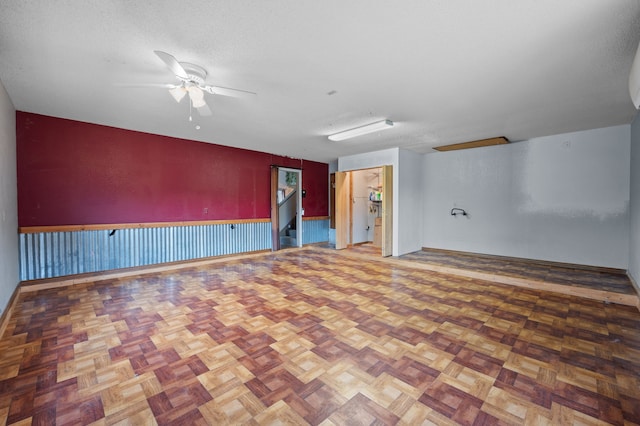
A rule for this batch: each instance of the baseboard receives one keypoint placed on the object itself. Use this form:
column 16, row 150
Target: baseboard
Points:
column 6, row 314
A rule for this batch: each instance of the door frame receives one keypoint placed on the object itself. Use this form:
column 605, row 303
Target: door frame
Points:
column 344, row 211
column 387, row 211
column 275, row 216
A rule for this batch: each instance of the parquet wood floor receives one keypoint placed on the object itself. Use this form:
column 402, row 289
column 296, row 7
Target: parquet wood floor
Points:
column 312, row 336
column 569, row 275
column 603, row 279
column 595, row 283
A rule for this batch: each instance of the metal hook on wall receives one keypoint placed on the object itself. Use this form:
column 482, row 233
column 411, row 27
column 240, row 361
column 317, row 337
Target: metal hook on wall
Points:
column 456, row 211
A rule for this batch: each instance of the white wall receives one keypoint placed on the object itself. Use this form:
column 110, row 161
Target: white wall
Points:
column 8, row 201
column 562, row 198
column 634, row 223
column 410, row 201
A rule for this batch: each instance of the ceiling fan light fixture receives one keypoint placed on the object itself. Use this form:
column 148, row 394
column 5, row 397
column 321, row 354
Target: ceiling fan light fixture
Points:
column 178, row 93
column 197, row 96
column 192, row 81
column 198, row 103
column 362, row 130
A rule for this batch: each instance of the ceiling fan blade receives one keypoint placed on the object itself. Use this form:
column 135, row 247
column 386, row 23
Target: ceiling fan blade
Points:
column 172, row 63
column 226, row 91
column 143, row 85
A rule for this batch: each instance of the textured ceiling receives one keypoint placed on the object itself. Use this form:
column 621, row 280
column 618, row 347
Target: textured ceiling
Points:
column 444, row 71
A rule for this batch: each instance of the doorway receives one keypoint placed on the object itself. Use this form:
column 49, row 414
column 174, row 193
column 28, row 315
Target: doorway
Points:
column 286, row 207
column 364, row 208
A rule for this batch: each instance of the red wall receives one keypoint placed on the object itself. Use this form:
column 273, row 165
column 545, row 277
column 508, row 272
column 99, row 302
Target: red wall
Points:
column 75, row 173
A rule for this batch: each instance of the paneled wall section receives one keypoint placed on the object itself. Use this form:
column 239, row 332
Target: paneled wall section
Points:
column 55, row 254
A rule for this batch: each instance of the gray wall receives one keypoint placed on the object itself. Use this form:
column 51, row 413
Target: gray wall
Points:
column 410, row 202
column 634, row 231
column 8, row 200
column 562, row 198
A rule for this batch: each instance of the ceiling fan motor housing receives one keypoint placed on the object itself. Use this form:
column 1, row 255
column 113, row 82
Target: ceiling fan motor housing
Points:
column 196, row 74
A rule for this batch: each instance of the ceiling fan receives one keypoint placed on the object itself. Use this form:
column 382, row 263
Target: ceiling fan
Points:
column 192, row 82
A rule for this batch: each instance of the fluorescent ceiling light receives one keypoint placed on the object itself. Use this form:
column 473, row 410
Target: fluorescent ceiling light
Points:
column 362, row 130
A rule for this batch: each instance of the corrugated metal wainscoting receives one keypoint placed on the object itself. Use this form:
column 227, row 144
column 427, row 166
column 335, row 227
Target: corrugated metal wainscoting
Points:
column 315, row 230
column 55, row 254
